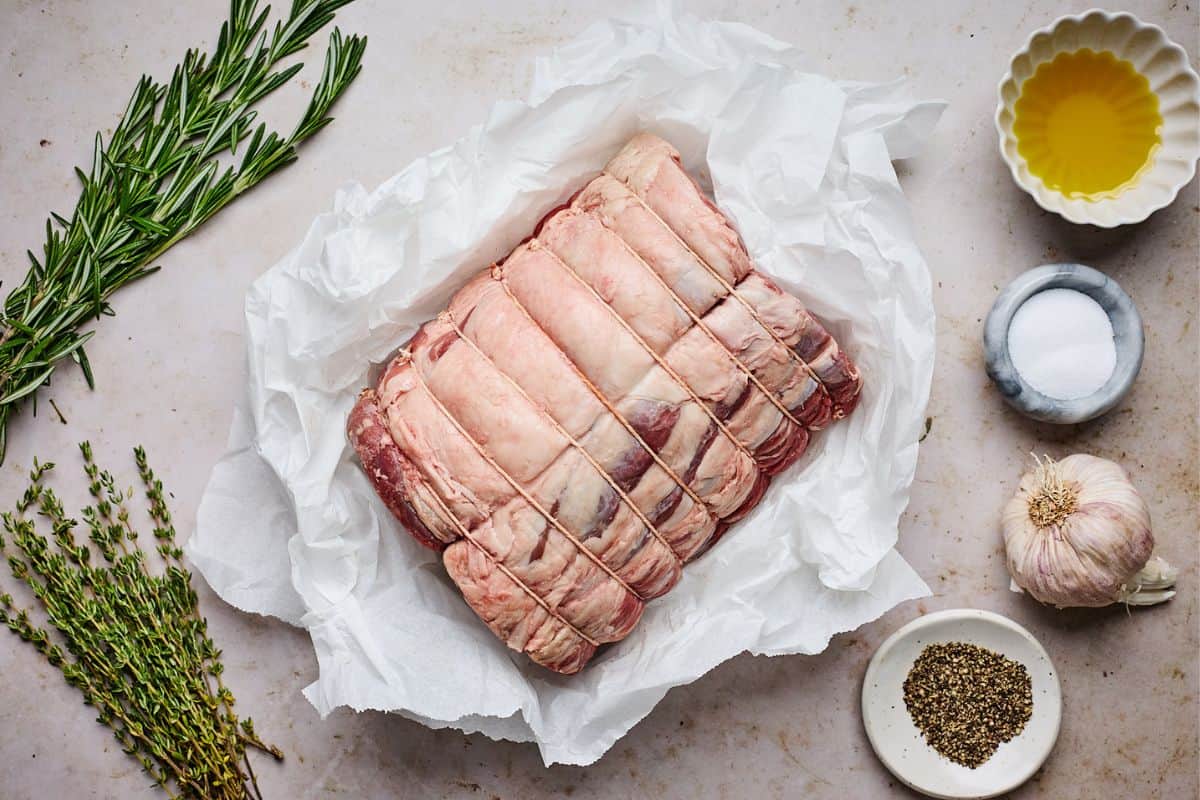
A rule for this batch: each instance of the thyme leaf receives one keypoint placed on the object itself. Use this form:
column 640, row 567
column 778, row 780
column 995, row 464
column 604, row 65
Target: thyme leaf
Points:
column 131, row 641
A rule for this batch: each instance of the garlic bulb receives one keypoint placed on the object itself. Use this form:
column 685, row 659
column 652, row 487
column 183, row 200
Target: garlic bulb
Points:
column 1077, row 533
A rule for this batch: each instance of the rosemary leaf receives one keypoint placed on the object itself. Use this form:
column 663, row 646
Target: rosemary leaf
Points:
column 159, row 178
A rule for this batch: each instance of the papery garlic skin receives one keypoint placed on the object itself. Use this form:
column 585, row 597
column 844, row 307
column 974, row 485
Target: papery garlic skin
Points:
column 1091, row 552
column 1151, row 585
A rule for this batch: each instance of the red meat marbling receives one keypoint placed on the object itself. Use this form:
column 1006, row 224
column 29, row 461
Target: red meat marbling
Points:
column 596, row 410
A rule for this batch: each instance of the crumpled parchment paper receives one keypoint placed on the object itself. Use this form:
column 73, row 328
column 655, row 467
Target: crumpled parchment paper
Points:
column 289, row 526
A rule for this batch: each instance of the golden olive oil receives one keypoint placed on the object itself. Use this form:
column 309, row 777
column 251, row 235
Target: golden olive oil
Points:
column 1087, row 124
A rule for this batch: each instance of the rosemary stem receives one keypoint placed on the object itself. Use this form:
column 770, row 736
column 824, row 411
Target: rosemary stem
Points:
column 158, row 178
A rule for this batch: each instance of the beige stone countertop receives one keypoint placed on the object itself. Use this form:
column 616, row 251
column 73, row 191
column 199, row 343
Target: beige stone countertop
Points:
column 170, row 365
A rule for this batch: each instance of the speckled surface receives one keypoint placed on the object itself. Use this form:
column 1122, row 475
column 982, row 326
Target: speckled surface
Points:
column 170, row 364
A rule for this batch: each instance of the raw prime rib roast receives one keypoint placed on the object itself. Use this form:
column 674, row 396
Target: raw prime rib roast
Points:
column 595, row 410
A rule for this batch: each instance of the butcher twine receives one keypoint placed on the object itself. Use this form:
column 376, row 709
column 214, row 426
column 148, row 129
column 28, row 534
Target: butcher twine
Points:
column 497, row 274
column 699, row 323
column 536, row 245
column 466, row 534
column 837, row 412
column 520, row 489
column 449, row 317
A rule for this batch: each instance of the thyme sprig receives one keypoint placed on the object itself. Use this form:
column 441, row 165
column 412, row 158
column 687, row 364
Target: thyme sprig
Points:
column 159, row 177
column 133, row 642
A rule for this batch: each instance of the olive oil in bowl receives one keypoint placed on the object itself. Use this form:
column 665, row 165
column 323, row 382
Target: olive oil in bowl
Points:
column 1087, row 124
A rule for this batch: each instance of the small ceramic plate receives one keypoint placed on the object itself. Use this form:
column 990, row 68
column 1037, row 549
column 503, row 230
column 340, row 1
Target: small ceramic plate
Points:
column 1171, row 78
column 900, row 745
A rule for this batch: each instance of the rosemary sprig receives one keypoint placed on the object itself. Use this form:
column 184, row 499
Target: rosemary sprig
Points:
column 134, row 643
column 160, row 177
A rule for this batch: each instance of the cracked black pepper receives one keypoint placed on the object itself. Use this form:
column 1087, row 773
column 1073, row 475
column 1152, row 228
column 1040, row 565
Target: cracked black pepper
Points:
column 967, row 700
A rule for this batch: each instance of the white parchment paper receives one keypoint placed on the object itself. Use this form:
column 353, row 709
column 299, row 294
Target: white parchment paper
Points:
column 289, row 526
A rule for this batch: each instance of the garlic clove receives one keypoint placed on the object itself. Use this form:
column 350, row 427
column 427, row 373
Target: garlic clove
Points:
column 1151, row 585
column 1143, row 598
column 1157, row 574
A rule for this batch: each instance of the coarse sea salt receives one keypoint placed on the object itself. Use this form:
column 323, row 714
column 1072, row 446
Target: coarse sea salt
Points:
column 1061, row 342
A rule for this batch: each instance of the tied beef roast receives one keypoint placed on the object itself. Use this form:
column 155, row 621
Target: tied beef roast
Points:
column 596, row 409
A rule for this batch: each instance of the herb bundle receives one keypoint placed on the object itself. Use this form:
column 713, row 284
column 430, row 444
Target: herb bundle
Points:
column 134, row 643
column 159, row 177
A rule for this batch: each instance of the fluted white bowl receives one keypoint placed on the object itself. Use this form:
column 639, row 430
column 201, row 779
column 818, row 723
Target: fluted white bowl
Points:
column 1163, row 63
